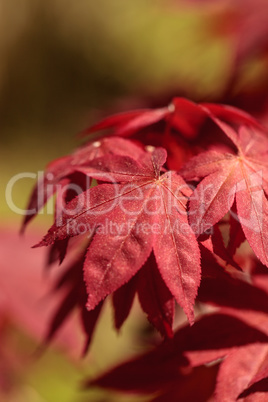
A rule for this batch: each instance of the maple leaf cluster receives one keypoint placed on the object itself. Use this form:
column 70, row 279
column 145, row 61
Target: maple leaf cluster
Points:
column 169, row 204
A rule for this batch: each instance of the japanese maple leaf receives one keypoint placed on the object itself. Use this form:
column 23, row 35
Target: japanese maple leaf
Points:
column 181, row 115
column 244, row 370
column 142, row 210
column 237, row 334
column 173, row 362
column 243, row 177
column 245, row 367
column 243, row 374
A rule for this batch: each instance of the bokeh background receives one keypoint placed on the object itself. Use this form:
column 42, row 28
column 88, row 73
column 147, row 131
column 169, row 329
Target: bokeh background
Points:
column 64, row 65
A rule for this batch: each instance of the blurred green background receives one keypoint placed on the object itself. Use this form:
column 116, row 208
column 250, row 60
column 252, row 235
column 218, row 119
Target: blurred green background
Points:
column 65, row 64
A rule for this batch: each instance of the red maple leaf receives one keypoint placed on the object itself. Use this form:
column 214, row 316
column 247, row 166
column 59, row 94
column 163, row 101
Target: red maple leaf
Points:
column 241, row 176
column 172, row 364
column 243, row 374
column 145, row 210
column 181, row 115
column 235, row 339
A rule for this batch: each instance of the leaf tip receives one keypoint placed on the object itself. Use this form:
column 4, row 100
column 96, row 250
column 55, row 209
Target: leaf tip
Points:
column 42, row 243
